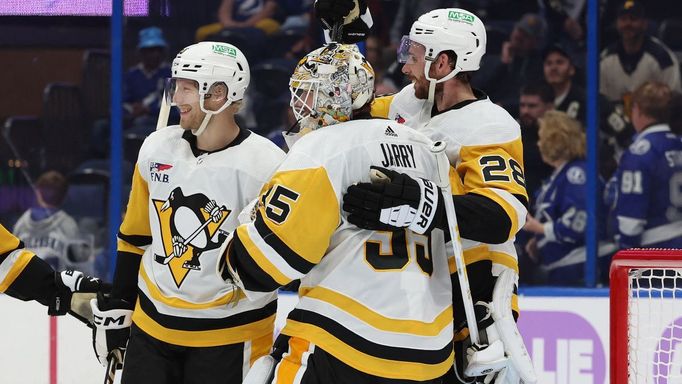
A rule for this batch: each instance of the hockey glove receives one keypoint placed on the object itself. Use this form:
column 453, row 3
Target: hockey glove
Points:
column 112, row 318
column 73, row 293
column 394, row 201
column 333, row 11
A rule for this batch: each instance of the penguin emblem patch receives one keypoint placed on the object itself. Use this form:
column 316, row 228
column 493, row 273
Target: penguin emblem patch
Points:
column 189, row 225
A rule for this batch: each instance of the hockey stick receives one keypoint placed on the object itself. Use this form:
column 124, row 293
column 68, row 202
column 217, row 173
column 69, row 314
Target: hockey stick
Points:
column 164, row 112
column 438, row 149
column 114, row 360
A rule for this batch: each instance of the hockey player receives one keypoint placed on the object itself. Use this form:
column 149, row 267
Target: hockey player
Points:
column 25, row 276
column 189, row 184
column 484, row 147
column 649, row 177
column 375, row 306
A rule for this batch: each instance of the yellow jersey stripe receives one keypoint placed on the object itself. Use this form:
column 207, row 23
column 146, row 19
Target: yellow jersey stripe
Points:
column 207, row 338
column 508, row 208
column 376, row 320
column 177, row 302
column 372, row 365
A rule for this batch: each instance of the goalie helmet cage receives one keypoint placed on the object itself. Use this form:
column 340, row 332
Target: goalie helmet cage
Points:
column 646, row 316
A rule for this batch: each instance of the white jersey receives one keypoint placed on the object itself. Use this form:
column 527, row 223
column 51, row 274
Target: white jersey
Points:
column 484, row 146
column 378, row 301
column 182, row 207
column 49, row 238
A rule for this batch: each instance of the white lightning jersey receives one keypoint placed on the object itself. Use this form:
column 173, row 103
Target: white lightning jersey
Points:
column 48, row 238
column 181, row 208
column 380, row 302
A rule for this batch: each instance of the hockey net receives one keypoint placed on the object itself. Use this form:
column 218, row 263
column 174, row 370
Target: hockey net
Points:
column 646, row 317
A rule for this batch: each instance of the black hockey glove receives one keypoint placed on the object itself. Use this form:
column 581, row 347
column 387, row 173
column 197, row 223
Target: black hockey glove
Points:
column 113, row 318
column 333, row 11
column 394, row 201
column 72, row 294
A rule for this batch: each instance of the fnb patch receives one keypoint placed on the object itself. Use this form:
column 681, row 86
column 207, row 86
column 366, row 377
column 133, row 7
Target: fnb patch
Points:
column 156, row 169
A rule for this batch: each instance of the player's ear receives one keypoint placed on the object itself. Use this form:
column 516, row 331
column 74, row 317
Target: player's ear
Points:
column 218, row 92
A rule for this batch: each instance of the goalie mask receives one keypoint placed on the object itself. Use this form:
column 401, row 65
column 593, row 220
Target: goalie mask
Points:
column 205, row 66
column 327, row 86
column 451, row 29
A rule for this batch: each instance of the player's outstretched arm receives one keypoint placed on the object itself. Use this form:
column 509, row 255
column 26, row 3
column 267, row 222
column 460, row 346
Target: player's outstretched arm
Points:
column 25, row 276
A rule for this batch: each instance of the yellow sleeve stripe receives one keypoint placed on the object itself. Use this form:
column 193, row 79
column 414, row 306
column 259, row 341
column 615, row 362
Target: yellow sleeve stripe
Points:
column 13, row 266
column 176, row 302
column 124, row 246
column 480, row 253
column 259, row 258
column 509, row 209
column 376, row 320
column 209, row 338
column 392, row 369
column 136, row 220
column 8, row 242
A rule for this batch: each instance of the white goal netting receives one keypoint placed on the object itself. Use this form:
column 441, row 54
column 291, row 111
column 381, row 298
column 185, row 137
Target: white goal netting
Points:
column 655, row 326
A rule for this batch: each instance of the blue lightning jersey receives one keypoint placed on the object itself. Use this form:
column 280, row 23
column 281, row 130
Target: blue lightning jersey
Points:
column 561, row 208
column 648, row 205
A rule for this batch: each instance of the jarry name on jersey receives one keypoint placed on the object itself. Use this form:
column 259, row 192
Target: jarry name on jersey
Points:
column 398, row 155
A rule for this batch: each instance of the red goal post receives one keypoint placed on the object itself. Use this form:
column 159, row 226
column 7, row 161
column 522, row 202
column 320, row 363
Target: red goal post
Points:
column 646, row 316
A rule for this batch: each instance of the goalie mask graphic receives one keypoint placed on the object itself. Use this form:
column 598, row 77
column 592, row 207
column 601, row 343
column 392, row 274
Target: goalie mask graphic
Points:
column 190, row 225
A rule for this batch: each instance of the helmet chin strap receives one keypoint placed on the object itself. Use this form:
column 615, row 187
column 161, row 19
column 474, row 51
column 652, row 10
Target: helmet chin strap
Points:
column 433, row 82
column 209, row 114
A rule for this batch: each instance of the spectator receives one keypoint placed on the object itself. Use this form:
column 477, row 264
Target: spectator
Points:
column 635, row 58
column 520, row 62
column 559, row 218
column 142, row 91
column 535, row 100
column 375, row 55
column 559, row 71
column 50, row 232
column 255, row 17
column 648, row 205
column 143, row 83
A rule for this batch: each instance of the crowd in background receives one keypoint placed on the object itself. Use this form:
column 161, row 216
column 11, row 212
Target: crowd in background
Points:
column 534, row 67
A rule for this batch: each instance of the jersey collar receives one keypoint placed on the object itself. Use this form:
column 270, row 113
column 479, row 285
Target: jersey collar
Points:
column 480, row 95
column 192, row 141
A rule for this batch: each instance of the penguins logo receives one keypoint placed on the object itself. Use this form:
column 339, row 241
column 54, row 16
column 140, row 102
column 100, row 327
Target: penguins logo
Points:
column 188, row 228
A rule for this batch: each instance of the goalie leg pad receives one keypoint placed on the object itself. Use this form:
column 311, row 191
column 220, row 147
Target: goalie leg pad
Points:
column 262, row 371
column 506, row 327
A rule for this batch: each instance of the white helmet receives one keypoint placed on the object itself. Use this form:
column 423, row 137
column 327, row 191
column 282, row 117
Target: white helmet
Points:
column 211, row 63
column 327, row 85
column 449, row 29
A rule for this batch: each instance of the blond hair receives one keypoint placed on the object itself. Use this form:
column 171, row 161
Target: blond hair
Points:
column 560, row 137
column 653, row 100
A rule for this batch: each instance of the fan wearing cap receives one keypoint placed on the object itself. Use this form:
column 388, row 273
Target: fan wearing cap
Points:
column 190, row 182
column 635, row 58
column 143, row 83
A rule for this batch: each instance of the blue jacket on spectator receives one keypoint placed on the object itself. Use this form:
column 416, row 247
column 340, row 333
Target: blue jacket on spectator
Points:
column 145, row 87
column 561, row 207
